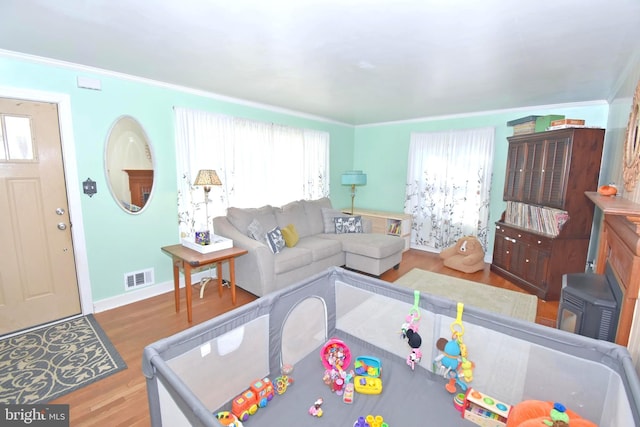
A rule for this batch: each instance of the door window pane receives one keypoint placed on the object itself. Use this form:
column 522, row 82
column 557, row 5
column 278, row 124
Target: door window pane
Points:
column 18, row 140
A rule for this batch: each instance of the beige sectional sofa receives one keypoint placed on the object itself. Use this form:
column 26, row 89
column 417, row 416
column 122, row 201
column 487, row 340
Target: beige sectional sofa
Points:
column 318, row 247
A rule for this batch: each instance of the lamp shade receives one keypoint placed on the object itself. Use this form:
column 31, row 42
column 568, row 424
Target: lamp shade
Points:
column 207, row 177
column 354, row 178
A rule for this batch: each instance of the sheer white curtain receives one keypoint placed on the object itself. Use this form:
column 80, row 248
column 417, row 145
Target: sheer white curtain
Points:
column 448, row 186
column 258, row 163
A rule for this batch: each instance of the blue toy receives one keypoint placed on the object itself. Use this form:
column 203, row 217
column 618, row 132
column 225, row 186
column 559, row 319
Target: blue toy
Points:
column 452, row 363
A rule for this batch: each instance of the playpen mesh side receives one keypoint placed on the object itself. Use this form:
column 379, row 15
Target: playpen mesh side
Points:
column 508, row 368
column 197, row 372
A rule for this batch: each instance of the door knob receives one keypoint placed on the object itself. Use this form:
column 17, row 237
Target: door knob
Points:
column 60, row 211
column 62, row 226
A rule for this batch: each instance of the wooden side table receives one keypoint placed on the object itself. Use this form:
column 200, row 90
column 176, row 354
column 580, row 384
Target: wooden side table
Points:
column 185, row 258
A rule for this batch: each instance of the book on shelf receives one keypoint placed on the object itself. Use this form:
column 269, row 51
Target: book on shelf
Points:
column 537, row 218
column 394, row 228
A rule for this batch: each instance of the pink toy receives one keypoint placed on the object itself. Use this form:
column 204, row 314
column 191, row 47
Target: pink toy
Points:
column 410, row 332
column 316, row 409
column 335, row 355
column 414, row 357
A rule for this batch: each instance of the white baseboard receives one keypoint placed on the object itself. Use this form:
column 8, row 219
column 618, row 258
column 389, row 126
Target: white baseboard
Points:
column 145, row 293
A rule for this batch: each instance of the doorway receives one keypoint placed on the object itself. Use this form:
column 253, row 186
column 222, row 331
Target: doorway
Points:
column 38, row 276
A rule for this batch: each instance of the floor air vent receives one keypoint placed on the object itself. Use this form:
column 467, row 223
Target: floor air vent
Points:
column 138, row 278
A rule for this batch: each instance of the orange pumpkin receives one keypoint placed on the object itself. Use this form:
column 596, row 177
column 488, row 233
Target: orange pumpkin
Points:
column 607, row 190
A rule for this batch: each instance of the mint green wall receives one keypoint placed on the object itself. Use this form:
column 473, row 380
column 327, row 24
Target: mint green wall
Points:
column 382, row 152
column 118, row 242
column 617, row 121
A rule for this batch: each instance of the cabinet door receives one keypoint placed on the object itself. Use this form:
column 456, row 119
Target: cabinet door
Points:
column 535, row 264
column 518, row 256
column 555, row 172
column 532, row 172
column 516, row 158
column 502, row 249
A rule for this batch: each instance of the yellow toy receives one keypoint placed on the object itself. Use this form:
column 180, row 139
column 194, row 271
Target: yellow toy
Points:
column 452, row 363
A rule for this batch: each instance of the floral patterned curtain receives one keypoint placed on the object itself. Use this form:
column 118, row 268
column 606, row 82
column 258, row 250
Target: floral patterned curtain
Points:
column 258, row 163
column 449, row 186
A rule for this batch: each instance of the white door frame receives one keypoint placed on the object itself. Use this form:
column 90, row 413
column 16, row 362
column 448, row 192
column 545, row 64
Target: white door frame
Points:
column 71, row 181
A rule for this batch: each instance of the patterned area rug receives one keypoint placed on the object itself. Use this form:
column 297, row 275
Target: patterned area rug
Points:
column 41, row 365
column 497, row 300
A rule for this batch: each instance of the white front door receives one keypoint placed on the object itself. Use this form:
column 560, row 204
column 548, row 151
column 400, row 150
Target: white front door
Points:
column 38, row 282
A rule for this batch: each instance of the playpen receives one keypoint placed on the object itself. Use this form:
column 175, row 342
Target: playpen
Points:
column 196, row 373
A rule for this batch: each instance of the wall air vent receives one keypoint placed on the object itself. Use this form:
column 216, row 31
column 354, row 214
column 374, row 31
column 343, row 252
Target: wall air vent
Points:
column 138, row 279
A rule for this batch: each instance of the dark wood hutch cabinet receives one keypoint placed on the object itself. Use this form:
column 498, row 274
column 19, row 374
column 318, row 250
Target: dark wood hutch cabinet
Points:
column 140, row 184
column 553, row 170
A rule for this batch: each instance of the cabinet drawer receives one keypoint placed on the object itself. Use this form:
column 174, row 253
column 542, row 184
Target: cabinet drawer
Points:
column 524, row 237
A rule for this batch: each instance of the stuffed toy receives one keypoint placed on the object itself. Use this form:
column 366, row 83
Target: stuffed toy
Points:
column 466, row 255
column 537, row 413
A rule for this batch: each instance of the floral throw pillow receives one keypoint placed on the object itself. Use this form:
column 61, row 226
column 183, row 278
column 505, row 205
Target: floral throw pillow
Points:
column 255, row 231
column 348, row 224
column 275, row 240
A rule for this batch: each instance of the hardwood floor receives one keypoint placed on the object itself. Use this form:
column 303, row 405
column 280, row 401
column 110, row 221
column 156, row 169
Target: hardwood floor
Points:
column 121, row 399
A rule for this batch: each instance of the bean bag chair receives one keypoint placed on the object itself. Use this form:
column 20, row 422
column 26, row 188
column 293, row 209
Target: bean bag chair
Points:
column 466, row 255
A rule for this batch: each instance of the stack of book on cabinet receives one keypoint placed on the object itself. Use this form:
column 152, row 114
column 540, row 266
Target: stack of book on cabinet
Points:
column 537, row 218
column 523, row 125
column 566, row 123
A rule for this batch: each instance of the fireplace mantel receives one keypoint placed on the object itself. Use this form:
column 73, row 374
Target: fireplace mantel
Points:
column 619, row 244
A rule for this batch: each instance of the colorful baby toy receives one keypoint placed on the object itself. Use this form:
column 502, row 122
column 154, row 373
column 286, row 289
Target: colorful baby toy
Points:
column 316, row 409
column 409, row 331
column 284, row 381
column 368, row 370
column 452, row 362
column 370, row 421
column 336, row 356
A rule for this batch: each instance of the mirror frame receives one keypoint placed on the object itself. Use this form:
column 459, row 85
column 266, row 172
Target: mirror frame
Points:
column 126, row 126
column 631, row 162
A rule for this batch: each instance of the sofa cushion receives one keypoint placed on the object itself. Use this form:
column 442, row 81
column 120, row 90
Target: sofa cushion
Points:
column 292, row 258
column 320, row 248
column 290, row 235
column 372, row 245
column 293, row 213
column 313, row 211
column 241, row 218
column 275, row 240
column 348, row 224
column 327, row 219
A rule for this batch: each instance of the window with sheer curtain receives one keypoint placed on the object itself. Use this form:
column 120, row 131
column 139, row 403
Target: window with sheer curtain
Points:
column 258, row 163
column 449, row 186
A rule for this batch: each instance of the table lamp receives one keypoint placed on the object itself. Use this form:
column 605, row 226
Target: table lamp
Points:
column 353, row 178
column 206, row 178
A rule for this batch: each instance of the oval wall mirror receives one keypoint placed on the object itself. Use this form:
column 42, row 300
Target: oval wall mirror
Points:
column 631, row 164
column 129, row 164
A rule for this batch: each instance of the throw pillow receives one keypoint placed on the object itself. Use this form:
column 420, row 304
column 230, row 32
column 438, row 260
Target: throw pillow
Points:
column 348, row 224
column 328, row 215
column 293, row 213
column 290, row 235
column 275, row 240
column 313, row 211
column 255, row 231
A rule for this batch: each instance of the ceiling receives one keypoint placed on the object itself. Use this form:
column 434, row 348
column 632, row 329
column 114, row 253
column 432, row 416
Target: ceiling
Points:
column 351, row 61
